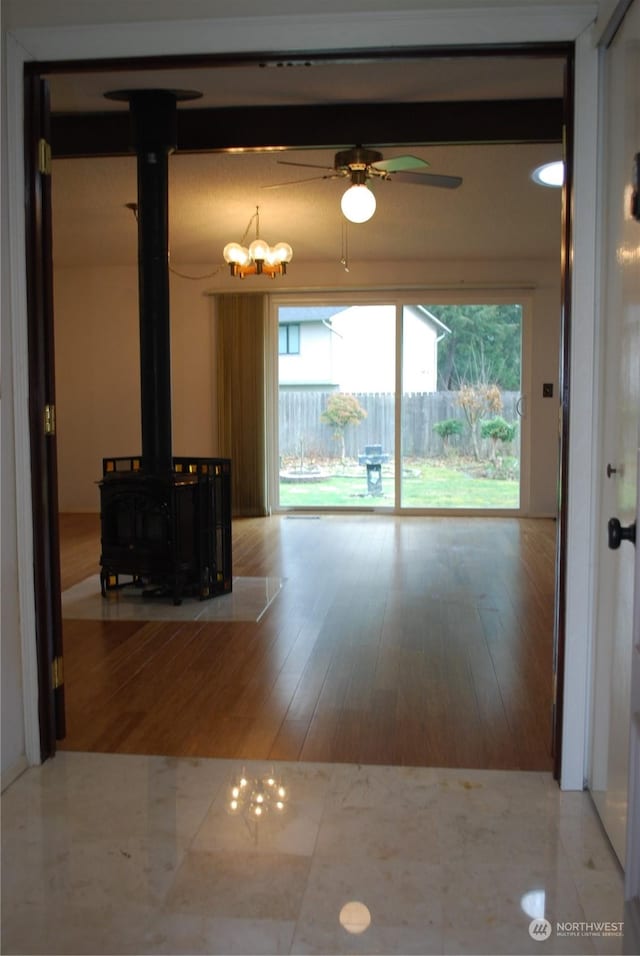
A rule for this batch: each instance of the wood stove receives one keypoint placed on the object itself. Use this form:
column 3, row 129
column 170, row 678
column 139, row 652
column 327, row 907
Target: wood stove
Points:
column 165, row 521
column 170, row 534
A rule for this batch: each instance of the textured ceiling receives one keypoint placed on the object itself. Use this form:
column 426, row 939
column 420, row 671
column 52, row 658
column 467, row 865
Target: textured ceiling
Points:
column 497, row 212
column 307, row 81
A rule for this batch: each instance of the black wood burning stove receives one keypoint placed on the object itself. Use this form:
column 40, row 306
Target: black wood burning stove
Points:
column 165, row 521
column 170, row 534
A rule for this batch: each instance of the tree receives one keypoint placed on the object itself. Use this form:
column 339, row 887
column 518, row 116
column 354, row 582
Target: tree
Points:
column 342, row 410
column 446, row 429
column 484, row 345
column 498, row 430
column 478, row 401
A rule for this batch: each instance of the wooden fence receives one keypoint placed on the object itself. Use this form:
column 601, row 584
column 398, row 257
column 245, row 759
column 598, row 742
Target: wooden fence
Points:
column 302, row 431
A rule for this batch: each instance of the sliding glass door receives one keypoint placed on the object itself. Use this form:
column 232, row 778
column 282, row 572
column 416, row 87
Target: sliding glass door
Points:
column 399, row 404
column 336, row 405
column 461, row 405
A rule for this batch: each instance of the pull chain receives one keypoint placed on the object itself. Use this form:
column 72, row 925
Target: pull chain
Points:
column 345, row 245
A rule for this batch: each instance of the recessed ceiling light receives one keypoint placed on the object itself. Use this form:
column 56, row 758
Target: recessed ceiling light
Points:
column 550, row 174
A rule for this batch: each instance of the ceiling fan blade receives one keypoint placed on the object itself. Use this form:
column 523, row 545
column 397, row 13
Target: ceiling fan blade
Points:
column 428, row 179
column 307, row 179
column 397, row 163
column 288, row 162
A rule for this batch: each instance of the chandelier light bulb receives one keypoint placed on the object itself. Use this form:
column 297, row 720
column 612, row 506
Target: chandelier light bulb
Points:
column 282, row 252
column 234, row 252
column 358, row 203
column 259, row 249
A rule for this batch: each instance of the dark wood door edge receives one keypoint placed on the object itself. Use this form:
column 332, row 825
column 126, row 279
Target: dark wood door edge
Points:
column 42, row 446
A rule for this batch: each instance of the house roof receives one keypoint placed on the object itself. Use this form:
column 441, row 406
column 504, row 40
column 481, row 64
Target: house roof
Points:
column 421, row 312
column 324, row 313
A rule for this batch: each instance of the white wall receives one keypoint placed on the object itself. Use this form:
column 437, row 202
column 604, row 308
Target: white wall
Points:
column 98, row 374
column 98, row 377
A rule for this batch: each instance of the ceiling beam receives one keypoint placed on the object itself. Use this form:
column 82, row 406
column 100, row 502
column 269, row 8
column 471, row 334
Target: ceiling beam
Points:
column 331, row 126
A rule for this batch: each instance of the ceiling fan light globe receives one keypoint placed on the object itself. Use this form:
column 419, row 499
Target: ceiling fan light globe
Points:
column 358, row 203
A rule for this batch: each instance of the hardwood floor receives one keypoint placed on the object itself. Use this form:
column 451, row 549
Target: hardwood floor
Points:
column 423, row 641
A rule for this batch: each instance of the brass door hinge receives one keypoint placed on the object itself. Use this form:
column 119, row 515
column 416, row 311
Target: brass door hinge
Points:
column 49, row 419
column 44, row 157
column 57, row 672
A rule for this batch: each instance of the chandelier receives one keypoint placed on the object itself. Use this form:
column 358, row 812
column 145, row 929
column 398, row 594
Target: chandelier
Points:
column 259, row 258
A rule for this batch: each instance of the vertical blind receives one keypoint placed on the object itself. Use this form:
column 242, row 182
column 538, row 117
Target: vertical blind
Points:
column 240, row 390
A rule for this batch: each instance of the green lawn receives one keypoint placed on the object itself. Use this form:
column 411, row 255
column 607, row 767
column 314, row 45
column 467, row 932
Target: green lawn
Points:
column 434, row 487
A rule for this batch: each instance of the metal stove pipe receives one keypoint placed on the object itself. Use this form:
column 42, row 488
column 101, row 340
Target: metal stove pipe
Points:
column 153, row 116
column 154, row 136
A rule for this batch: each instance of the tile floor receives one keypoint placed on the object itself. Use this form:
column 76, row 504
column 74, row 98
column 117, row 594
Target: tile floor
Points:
column 125, row 854
column 248, row 601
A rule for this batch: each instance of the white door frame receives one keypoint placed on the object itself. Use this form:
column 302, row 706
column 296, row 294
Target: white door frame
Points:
column 488, row 26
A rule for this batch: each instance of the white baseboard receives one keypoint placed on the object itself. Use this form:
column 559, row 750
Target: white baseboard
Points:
column 11, row 775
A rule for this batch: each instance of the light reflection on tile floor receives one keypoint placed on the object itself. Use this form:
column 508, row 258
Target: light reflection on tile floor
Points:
column 124, row 854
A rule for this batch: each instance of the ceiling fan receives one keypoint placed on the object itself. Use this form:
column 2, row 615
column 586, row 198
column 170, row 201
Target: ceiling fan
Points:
column 361, row 165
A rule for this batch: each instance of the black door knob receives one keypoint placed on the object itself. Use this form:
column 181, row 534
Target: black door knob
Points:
column 617, row 533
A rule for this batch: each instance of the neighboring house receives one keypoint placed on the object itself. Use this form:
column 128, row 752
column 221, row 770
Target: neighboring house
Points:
column 422, row 332
column 307, row 346
column 351, row 349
